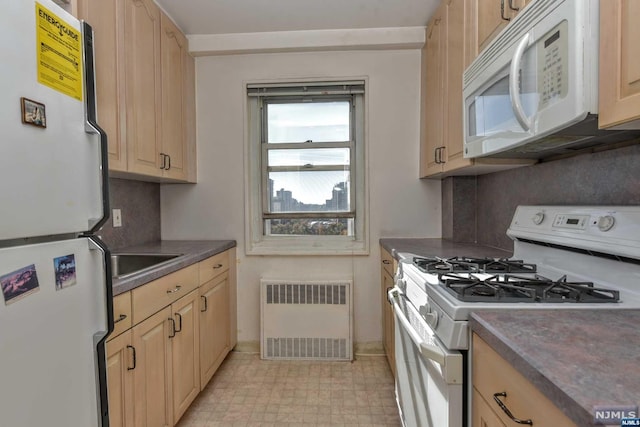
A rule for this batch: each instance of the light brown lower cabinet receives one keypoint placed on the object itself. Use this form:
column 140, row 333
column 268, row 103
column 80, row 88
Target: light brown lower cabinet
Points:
column 214, row 326
column 387, row 272
column 120, row 366
column 152, row 375
column 185, row 353
column 494, row 378
column 156, row 368
column 483, row 416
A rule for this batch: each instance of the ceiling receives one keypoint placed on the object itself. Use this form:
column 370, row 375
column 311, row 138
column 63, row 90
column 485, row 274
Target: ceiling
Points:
column 250, row 16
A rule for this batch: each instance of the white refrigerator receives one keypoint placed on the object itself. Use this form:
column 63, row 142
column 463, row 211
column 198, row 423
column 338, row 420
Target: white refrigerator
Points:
column 55, row 275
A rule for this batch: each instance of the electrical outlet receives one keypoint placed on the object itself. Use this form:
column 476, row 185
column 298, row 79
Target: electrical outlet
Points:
column 117, row 218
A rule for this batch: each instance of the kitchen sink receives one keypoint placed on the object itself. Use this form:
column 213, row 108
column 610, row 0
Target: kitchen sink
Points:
column 126, row 264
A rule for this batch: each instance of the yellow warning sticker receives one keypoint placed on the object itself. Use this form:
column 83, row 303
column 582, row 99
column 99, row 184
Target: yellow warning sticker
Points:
column 59, row 53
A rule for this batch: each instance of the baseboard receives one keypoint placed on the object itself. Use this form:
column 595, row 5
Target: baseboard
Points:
column 247, row 347
column 369, row 348
column 364, row 348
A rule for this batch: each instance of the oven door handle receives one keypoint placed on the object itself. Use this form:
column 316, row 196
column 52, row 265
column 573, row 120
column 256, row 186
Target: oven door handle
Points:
column 427, row 350
column 451, row 363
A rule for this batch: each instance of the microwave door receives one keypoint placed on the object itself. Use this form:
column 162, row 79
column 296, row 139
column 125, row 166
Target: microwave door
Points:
column 492, row 120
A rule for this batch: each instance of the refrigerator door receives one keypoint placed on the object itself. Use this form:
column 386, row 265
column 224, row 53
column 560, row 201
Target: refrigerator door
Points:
column 50, row 167
column 54, row 312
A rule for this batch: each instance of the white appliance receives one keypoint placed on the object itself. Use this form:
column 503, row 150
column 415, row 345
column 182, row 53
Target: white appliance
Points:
column 533, row 92
column 565, row 257
column 55, row 278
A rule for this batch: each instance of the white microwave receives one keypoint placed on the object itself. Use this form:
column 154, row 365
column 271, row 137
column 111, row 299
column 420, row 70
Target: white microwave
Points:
column 533, row 92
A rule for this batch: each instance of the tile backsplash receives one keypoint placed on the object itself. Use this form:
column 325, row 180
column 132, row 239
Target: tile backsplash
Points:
column 606, row 178
column 140, row 205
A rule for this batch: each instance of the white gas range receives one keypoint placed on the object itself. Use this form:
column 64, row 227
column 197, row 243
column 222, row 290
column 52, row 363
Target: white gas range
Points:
column 565, row 257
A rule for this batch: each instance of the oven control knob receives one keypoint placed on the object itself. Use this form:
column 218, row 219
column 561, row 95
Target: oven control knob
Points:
column 538, row 218
column 605, row 223
column 431, row 317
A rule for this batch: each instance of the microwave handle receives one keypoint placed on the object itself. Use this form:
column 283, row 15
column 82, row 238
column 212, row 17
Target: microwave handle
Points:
column 514, row 90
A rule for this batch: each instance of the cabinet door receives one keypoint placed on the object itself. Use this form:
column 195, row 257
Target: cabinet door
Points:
column 492, row 16
column 388, row 339
column 143, row 86
column 433, row 96
column 189, row 111
column 185, row 353
column 152, row 379
column 455, row 64
column 174, row 55
column 120, row 366
column 619, row 95
column 482, row 414
column 214, row 326
column 107, row 18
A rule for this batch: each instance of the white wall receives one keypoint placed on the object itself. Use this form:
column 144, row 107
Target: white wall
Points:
column 401, row 205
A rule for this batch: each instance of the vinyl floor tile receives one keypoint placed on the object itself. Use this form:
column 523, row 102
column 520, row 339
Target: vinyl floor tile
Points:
column 247, row 391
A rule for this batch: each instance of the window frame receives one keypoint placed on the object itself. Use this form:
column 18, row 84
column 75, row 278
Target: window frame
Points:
column 257, row 241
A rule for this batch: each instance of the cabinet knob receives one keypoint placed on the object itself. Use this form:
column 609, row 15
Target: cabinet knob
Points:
column 120, row 318
column 215, row 267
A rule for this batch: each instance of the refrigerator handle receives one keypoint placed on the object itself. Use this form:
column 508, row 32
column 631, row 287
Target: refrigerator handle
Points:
column 91, row 121
column 100, row 337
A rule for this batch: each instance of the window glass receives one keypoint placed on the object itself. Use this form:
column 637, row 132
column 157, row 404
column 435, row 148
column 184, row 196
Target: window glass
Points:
column 309, row 191
column 308, row 121
column 311, row 156
column 312, row 226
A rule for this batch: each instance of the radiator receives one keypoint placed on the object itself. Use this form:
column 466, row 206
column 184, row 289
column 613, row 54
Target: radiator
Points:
column 306, row 320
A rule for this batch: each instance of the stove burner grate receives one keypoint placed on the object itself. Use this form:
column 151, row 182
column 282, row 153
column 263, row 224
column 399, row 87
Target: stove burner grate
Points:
column 514, row 288
column 437, row 265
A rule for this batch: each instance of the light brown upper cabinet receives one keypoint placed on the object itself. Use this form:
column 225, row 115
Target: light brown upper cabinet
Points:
column 449, row 49
column 107, row 19
column 489, row 18
column 432, row 97
column 145, row 87
column 175, row 68
column 619, row 86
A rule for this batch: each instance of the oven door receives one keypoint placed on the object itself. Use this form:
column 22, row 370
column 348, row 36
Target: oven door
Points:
column 429, row 377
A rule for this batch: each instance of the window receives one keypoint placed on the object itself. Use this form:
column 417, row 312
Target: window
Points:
column 306, row 166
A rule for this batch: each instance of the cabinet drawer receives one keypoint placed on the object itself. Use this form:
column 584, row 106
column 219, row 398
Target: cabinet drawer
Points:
column 492, row 374
column 152, row 297
column 388, row 262
column 121, row 314
column 211, row 267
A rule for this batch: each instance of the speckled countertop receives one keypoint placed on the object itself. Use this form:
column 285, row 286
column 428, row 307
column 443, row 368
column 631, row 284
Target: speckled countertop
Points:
column 192, row 251
column 579, row 359
column 440, row 247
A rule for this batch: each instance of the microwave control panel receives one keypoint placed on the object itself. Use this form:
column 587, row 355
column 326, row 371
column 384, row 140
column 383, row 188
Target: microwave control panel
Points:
column 553, row 64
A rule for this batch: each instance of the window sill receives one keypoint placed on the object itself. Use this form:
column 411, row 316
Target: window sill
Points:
column 302, row 246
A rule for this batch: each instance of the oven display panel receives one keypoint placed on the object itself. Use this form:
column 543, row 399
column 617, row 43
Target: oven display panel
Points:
column 576, row 222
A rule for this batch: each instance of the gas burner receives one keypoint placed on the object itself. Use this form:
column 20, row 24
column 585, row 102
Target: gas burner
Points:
column 495, row 288
column 438, row 265
column 464, row 264
column 514, row 288
column 581, row 292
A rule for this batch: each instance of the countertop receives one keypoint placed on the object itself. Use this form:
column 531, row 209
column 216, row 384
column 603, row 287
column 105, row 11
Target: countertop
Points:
column 193, row 251
column 580, row 359
column 440, row 247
